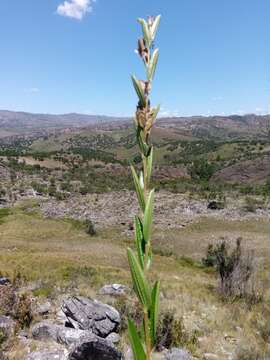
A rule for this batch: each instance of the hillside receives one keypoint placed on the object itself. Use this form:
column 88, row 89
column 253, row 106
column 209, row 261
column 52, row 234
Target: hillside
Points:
column 12, row 123
column 214, row 127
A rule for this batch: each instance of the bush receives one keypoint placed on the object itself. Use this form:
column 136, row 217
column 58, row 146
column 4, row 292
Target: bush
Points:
column 23, row 313
column 128, row 310
column 90, row 227
column 236, row 269
column 171, row 333
column 201, row 169
column 250, row 352
column 7, row 299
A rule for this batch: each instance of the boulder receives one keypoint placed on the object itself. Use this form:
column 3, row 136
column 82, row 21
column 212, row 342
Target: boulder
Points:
column 43, row 309
column 178, row 354
column 4, row 281
column 69, row 336
column 113, row 289
column 96, row 349
column 88, row 314
column 45, row 330
column 47, row 355
column 48, row 331
column 113, row 338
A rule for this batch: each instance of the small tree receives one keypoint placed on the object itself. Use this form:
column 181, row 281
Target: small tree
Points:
column 143, row 340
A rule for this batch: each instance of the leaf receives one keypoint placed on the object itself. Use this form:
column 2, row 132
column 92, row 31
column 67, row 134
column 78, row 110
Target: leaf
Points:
column 136, row 344
column 142, row 144
column 150, row 258
column 152, row 65
column 139, row 281
column 146, row 32
column 155, row 26
column 148, row 216
column 141, row 180
column 149, row 165
column 155, row 112
column 154, row 310
column 140, row 243
column 139, row 190
column 139, row 90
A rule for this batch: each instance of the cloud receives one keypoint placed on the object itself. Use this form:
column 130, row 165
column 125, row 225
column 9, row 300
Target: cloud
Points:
column 169, row 113
column 32, row 90
column 76, row 9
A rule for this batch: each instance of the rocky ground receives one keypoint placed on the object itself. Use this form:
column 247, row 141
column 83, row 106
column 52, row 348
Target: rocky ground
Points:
column 171, row 210
column 71, row 328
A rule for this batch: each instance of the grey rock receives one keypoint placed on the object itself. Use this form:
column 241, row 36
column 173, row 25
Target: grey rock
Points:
column 97, row 349
column 88, row 314
column 45, row 330
column 178, row 354
column 48, row 331
column 43, row 309
column 113, row 338
column 69, row 336
column 23, row 334
column 47, row 355
column 4, row 281
column 113, row 289
column 7, row 325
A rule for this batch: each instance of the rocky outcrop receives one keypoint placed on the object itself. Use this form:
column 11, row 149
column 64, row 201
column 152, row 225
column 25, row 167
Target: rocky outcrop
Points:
column 88, row 330
column 95, row 349
column 93, row 315
column 47, row 355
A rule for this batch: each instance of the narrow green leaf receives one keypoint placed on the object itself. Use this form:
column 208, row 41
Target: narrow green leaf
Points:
column 143, row 146
column 155, row 112
column 140, row 283
column 146, row 32
column 139, row 90
column 140, row 243
column 152, row 65
column 148, row 215
column 154, row 311
column 149, row 165
column 150, row 258
column 139, row 190
column 136, row 344
column 155, row 26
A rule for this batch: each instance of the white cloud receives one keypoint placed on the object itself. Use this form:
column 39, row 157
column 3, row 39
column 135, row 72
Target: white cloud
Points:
column 169, row 113
column 32, row 90
column 76, row 9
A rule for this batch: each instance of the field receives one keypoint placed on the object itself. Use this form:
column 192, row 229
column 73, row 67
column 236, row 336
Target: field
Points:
column 64, row 258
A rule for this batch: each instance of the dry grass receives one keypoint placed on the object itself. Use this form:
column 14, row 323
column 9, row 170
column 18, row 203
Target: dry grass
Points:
column 61, row 254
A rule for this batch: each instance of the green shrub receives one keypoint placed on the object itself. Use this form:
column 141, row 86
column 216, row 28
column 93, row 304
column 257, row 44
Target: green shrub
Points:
column 171, row 333
column 23, row 313
column 90, row 227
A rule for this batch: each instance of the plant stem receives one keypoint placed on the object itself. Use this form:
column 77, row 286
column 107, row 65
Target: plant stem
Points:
column 147, row 337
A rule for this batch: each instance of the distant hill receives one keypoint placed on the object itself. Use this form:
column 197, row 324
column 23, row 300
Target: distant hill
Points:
column 12, row 122
column 197, row 127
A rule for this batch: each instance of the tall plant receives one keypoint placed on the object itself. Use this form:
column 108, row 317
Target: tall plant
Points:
column 143, row 339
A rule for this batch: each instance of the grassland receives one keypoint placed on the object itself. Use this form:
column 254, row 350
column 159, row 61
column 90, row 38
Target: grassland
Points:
column 65, row 259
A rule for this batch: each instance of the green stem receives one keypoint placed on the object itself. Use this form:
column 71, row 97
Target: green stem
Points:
column 147, row 335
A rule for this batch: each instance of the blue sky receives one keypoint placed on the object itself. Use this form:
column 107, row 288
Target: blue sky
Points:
column 77, row 56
